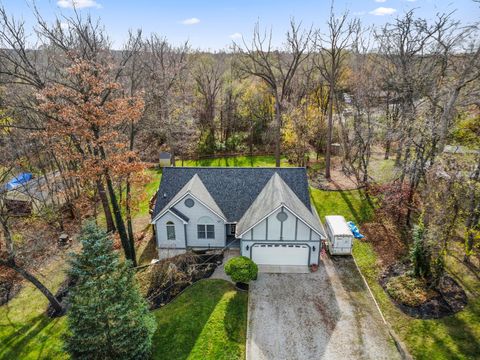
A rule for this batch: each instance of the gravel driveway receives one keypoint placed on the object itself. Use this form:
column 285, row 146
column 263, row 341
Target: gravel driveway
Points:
column 328, row 314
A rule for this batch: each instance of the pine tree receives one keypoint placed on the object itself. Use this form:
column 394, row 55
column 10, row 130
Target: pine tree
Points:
column 108, row 318
column 420, row 253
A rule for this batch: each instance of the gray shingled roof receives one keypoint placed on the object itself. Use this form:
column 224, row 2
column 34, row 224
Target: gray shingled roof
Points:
column 275, row 194
column 233, row 189
column 180, row 214
column 196, row 188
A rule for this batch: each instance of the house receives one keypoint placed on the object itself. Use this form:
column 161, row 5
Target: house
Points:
column 265, row 212
column 26, row 194
column 165, row 159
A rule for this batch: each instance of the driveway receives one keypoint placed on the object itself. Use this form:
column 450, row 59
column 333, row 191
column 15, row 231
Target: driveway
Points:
column 324, row 315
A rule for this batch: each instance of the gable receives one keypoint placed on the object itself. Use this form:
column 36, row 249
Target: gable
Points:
column 232, row 189
column 275, row 195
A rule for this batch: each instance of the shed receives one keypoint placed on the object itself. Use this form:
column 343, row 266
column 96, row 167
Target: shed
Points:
column 339, row 235
column 165, row 159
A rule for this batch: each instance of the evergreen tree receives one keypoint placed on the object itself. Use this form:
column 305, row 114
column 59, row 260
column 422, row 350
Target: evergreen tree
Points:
column 420, row 253
column 108, row 318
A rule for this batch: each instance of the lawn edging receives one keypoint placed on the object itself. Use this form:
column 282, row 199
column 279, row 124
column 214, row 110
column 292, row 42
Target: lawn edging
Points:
column 402, row 349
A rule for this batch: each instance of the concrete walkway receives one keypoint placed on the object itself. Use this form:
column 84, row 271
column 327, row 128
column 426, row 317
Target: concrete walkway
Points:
column 219, row 272
column 324, row 315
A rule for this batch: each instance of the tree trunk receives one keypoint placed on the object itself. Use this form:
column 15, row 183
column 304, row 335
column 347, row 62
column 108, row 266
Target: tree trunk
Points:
column 473, row 216
column 106, row 207
column 329, row 133
column 128, row 246
column 387, row 149
column 31, row 278
column 278, row 129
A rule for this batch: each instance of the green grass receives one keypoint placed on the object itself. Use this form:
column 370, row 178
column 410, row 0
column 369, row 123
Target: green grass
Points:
column 453, row 337
column 25, row 331
column 207, row 321
column 351, row 204
column 236, row 161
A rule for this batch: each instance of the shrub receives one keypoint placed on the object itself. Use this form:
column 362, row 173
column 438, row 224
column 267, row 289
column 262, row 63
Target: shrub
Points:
column 420, row 253
column 409, row 290
column 241, row 269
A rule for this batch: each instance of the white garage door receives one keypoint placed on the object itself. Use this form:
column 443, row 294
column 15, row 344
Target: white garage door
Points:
column 279, row 254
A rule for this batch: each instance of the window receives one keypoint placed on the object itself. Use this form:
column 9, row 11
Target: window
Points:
column 233, row 228
column 205, row 228
column 282, row 216
column 170, row 231
column 189, row 203
column 206, row 231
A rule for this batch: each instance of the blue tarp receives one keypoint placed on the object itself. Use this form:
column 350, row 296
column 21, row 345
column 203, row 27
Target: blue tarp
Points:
column 355, row 231
column 20, row 179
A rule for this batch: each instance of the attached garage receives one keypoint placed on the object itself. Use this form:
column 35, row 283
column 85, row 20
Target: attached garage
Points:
column 280, row 254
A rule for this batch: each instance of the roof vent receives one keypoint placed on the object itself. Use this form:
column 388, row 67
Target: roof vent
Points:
column 164, row 195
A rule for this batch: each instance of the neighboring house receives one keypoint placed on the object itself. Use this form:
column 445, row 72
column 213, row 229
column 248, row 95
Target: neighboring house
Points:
column 266, row 212
column 165, row 159
column 26, row 194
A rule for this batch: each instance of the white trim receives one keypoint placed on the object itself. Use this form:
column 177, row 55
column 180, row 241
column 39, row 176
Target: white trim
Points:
column 171, row 212
column 175, row 203
column 270, row 213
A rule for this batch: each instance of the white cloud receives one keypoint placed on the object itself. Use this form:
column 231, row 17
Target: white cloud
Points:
column 64, row 25
column 79, row 4
column 381, row 11
column 236, row 36
column 191, row 21
column 380, row 1
column 359, row 13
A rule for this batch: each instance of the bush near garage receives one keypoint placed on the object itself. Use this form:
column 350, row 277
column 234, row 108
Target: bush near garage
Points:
column 241, row 269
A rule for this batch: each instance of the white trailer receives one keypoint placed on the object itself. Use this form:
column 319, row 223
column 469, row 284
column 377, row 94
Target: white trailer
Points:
column 340, row 237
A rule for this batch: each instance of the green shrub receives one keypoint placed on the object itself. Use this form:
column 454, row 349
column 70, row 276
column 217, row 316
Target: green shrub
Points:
column 409, row 290
column 108, row 318
column 241, row 269
column 420, row 253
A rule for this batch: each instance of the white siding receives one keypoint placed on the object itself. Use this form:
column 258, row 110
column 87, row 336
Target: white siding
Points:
column 194, row 214
column 259, row 231
column 303, row 231
column 161, row 230
column 276, row 232
column 288, row 232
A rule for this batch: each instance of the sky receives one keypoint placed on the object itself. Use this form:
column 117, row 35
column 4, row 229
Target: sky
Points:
column 212, row 25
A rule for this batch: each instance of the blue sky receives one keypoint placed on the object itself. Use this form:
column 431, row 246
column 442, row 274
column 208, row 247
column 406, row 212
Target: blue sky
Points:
column 211, row 24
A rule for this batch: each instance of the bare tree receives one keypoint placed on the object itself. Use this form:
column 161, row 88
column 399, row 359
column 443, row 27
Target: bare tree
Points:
column 332, row 53
column 208, row 79
column 275, row 67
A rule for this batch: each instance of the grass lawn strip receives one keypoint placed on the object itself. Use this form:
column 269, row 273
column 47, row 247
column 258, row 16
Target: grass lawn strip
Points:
column 207, row 321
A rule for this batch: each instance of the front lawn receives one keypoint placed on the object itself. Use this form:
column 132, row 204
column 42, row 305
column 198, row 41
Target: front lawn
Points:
column 207, row 321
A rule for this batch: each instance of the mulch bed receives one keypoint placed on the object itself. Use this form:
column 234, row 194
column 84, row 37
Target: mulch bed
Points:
column 450, row 298
column 170, row 277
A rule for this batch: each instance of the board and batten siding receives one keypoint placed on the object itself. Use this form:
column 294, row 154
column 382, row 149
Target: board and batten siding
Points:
column 271, row 230
column 194, row 214
column 292, row 229
column 161, row 232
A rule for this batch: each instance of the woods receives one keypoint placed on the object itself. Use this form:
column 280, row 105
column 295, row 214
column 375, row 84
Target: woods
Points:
column 390, row 110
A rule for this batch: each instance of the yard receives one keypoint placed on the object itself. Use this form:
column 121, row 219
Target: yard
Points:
column 453, row 337
column 208, row 319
